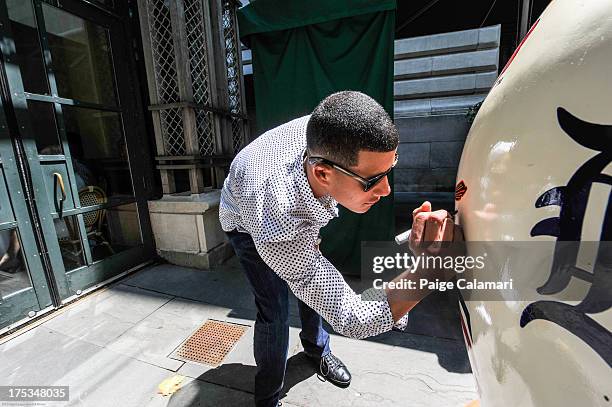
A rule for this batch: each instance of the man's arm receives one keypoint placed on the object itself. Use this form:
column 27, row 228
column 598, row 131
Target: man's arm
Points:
column 315, row 281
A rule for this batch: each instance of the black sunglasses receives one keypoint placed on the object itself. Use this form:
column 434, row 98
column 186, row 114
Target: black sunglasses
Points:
column 368, row 183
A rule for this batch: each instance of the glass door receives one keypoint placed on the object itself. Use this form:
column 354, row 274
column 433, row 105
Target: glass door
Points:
column 24, row 288
column 77, row 116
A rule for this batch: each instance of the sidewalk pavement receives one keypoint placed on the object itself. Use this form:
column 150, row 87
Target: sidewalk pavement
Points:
column 114, row 348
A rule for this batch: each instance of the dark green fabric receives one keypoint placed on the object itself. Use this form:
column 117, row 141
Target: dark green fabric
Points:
column 273, row 15
column 294, row 69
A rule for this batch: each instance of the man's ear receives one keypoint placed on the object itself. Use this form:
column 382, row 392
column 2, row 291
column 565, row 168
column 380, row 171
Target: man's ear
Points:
column 322, row 174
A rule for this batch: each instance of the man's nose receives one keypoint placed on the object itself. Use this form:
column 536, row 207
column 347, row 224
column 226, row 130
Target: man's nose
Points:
column 382, row 188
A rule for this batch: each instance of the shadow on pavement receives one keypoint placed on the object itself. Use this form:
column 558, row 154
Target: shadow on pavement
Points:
column 238, row 377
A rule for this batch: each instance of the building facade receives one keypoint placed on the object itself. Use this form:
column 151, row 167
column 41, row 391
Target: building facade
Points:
column 107, row 105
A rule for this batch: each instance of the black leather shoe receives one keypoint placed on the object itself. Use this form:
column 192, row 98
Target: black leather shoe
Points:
column 334, row 371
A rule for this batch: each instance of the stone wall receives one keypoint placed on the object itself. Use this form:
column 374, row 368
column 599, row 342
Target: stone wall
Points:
column 438, row 78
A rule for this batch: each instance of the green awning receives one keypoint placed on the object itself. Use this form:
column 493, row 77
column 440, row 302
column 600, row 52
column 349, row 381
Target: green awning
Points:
column 262, row 16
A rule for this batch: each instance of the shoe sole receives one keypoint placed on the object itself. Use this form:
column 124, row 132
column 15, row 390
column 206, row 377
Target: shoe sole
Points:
column 342, row 385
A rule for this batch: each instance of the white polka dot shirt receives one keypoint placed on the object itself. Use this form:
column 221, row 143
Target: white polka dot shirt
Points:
column 267, row 195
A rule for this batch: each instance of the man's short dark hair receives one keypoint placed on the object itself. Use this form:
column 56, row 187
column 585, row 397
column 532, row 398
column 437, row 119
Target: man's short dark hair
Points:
column 345, row 123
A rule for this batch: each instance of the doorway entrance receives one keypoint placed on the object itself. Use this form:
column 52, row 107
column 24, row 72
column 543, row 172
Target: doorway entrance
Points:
column 73, row 153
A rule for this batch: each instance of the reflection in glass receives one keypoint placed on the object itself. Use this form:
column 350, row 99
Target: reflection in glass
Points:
column 112, row 230
column 107, row 3
column 44, row 130
column 68, row 237
column 28, row 52
column 98, row 150
column 14, row 275
column 81, row 57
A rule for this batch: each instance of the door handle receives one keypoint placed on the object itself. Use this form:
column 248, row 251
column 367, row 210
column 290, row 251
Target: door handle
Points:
column 58, row 180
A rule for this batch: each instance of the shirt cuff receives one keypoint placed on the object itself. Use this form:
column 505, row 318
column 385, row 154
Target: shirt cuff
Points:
column 373, row 294
column 402, row 324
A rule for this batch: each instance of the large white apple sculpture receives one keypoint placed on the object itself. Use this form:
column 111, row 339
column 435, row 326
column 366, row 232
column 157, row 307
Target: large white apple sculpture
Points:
column 537, row 167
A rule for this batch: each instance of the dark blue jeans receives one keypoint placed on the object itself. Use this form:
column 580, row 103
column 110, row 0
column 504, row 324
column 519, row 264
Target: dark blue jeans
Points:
column 271, row 339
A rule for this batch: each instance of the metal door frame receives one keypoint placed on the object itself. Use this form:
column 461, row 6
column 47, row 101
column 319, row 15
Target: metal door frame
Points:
column 56, row 286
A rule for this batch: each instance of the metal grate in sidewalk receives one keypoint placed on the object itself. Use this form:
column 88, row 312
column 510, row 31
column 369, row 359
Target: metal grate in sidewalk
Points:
column 210, row 343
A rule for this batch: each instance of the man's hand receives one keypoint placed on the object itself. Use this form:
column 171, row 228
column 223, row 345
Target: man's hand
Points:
column 430, row 229
column 431, row 232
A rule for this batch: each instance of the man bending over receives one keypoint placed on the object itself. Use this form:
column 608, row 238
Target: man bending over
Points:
column 281, row 189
